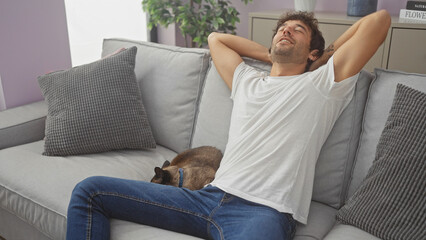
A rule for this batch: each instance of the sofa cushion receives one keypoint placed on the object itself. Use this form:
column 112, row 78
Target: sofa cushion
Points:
column 322, row 220
column 170, row 79
column 348, row 232
column 95, row 107
column 390, row 202
column 377, row 108
column 335, row 160
column 214, row 115
column 36, row 189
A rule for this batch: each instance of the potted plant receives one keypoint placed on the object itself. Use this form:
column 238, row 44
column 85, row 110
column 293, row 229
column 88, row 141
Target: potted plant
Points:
column 196, row 18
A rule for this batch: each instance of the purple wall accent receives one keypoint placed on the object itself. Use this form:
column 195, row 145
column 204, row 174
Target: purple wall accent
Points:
column 33, row 41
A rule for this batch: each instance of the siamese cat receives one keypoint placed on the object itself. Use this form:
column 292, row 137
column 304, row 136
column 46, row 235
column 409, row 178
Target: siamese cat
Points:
column 192, row 169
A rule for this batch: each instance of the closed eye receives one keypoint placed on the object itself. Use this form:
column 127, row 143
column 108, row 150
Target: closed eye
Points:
column 300, row 28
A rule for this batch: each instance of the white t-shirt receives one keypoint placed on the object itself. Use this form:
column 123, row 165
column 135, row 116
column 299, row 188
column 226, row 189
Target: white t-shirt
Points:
column 278, row 126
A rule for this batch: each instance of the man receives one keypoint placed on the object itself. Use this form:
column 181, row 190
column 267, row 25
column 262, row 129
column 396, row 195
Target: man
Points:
column 278, row 125
column 280, row 122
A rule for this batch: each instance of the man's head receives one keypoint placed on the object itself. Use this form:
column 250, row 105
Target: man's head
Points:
column 297, row 39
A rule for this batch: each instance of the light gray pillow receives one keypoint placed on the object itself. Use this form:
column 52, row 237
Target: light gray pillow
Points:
column 95, row 107
column 170, row 79
column 391, row 203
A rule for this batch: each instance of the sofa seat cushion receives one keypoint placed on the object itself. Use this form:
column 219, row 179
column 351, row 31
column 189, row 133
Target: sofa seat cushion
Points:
column 348, row 232
column 35, row 191
column 37, row 188
column 321, row 220
column 123, row 230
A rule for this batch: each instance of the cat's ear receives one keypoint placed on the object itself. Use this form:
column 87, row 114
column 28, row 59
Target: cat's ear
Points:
column 166, row 164
column 158, row 172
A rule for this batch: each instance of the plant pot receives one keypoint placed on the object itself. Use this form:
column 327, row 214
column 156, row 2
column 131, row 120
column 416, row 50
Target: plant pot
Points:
column 304, row 5
column 361, row 8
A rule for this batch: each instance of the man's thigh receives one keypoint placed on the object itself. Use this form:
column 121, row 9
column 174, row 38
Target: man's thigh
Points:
column 166, row 207
column 241, row 219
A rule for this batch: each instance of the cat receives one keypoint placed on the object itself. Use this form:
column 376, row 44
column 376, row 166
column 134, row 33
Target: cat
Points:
column 192, row 169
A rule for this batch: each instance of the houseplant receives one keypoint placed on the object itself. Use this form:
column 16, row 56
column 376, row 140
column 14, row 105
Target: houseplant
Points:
column 196, row 18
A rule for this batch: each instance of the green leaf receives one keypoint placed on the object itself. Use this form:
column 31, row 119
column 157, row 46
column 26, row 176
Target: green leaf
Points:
column 196, row 21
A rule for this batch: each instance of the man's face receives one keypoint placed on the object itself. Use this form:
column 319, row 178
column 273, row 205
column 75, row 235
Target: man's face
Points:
column 291, row 43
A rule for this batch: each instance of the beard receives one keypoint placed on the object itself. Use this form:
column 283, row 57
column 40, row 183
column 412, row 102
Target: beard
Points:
column 285, row 54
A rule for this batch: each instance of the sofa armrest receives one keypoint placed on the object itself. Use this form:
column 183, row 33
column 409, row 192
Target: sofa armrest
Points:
column 22, row 124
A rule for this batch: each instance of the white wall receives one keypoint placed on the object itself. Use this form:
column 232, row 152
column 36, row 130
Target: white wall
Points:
column 90, row 21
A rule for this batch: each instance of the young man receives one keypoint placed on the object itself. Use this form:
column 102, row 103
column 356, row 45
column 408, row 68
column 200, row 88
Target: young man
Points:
column 280, row 122
column 278, row 125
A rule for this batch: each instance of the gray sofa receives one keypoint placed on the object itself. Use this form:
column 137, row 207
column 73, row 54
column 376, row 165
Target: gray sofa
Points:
column 188, row 105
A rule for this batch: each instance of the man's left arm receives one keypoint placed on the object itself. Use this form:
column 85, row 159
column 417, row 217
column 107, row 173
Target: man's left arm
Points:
column 354, row 48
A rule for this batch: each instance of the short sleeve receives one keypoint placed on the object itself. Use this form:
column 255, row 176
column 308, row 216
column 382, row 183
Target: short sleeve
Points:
column 244, row 73
column 323, row 80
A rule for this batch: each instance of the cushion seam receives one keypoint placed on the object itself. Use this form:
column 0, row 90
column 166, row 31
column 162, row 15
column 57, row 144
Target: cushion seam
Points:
column 351, row 135
column 180, row 50
column 359, row 141
column 200, row 92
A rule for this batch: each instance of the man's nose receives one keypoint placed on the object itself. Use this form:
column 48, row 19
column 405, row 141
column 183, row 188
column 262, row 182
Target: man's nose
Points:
column 287, row 31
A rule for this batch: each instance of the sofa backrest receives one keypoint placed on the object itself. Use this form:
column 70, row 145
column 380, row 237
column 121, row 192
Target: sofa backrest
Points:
column 379, row 102
column 170, row 79
column 212, row 125
column 336, row 158
column 194, row 110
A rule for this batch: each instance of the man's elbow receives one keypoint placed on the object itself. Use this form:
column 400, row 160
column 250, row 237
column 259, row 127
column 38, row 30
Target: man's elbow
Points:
column 384, row 18
column 211, row 37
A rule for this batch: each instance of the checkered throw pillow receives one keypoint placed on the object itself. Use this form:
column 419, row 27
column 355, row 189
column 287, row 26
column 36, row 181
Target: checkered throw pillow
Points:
column 95, row 107
column 391, row 201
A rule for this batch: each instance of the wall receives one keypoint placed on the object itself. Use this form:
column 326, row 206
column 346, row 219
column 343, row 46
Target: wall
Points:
column 112, row 18
column 33, row 41
column 392, row 6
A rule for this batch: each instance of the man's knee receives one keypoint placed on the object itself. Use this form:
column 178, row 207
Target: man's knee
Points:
column 88, row 186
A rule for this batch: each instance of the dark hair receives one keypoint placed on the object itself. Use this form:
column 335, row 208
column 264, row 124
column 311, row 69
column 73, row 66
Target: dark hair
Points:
column 317, row 40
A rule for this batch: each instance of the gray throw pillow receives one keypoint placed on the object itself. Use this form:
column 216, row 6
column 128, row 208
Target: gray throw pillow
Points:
column 390, row 203
column 95, row 107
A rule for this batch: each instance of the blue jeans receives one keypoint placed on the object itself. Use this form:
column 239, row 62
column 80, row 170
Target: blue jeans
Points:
column 208, row 213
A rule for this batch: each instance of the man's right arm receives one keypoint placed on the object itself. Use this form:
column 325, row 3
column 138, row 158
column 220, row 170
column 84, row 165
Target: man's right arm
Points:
column 227, row 50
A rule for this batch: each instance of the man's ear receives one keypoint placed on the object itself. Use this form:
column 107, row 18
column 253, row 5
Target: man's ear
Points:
column 313, row 55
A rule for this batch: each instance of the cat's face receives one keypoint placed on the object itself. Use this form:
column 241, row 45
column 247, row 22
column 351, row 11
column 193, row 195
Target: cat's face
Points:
column 166, row 175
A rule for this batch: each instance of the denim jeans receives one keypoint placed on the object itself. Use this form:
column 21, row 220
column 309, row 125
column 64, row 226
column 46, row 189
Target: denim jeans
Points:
column 208, row 213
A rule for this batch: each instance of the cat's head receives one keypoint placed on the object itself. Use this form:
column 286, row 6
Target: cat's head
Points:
column 167, row 175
